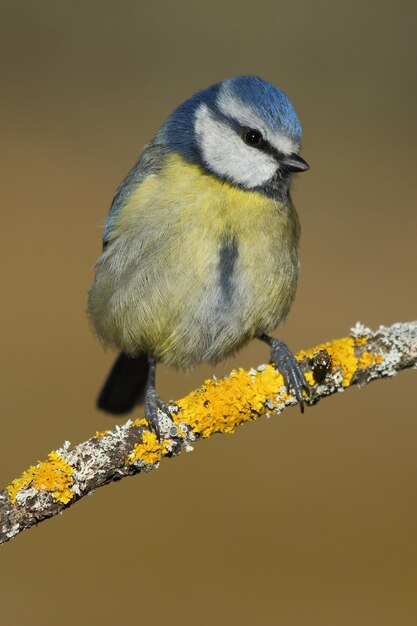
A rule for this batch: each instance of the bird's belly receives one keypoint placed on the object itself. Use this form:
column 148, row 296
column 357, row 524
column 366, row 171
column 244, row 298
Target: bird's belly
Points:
column 204, row 311
column 244, row 296
column 201, row 311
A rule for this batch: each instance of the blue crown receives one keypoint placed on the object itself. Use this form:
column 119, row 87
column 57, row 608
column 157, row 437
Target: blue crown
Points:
column 267, row 101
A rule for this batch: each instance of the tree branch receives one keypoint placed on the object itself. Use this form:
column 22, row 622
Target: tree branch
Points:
column 219, row 406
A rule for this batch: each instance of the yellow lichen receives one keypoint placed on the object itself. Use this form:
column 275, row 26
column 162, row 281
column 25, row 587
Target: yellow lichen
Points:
column 140, row 422
column 53, row 476
column 361, row 341
column 166, row 446
column 220, row 406
column 309, row 378
column 149, row 450
column 101, row 433
column 342, row 352
column 368, row 359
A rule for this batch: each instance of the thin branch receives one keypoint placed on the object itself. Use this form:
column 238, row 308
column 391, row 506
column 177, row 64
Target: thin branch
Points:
column 219, row 406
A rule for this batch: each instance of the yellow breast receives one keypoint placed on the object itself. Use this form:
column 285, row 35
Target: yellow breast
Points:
column 194, row 267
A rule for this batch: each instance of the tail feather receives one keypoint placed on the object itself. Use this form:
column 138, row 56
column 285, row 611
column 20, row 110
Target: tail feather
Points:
column 125, row 385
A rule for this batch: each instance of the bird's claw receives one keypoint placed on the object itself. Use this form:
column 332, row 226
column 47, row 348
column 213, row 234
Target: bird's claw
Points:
column 290, row 369
column 153, row 404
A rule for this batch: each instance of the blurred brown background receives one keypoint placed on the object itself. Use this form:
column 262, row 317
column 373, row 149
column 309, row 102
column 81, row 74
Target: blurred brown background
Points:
column 297, row 520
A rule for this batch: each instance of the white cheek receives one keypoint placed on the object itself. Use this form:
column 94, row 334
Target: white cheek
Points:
column 227, row 155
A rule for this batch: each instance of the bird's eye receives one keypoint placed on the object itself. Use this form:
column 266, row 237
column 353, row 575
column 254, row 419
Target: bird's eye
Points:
column 252, row 137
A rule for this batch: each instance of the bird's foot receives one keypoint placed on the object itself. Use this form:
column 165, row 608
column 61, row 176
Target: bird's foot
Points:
column 289, row 367
column 153, row 404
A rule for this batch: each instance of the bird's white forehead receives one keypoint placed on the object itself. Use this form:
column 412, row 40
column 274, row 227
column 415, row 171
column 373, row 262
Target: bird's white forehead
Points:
column 233, row 107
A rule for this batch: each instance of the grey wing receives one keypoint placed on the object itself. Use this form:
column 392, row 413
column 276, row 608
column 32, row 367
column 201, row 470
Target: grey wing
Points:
column 149, row 162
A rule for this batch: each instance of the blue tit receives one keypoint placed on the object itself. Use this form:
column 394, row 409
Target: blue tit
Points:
column 200, row 248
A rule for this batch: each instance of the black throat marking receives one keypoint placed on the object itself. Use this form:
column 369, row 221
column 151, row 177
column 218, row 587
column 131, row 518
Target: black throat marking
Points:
column 227, row 263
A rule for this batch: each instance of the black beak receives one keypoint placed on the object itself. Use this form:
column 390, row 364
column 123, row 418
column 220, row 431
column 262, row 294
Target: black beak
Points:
column 294, row 163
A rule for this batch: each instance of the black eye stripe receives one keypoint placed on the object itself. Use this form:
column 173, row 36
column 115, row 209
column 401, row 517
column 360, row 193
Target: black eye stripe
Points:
column 264, row 145
column 261, row 144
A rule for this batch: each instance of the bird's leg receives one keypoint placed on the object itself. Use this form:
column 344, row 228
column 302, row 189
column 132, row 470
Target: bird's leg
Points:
column 153, row 401
column 288, row 366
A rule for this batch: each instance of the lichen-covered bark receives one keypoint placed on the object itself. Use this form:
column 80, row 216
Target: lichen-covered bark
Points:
column 219, row 406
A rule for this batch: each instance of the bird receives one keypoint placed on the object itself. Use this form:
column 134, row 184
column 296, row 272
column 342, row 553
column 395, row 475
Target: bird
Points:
column 200, row 246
